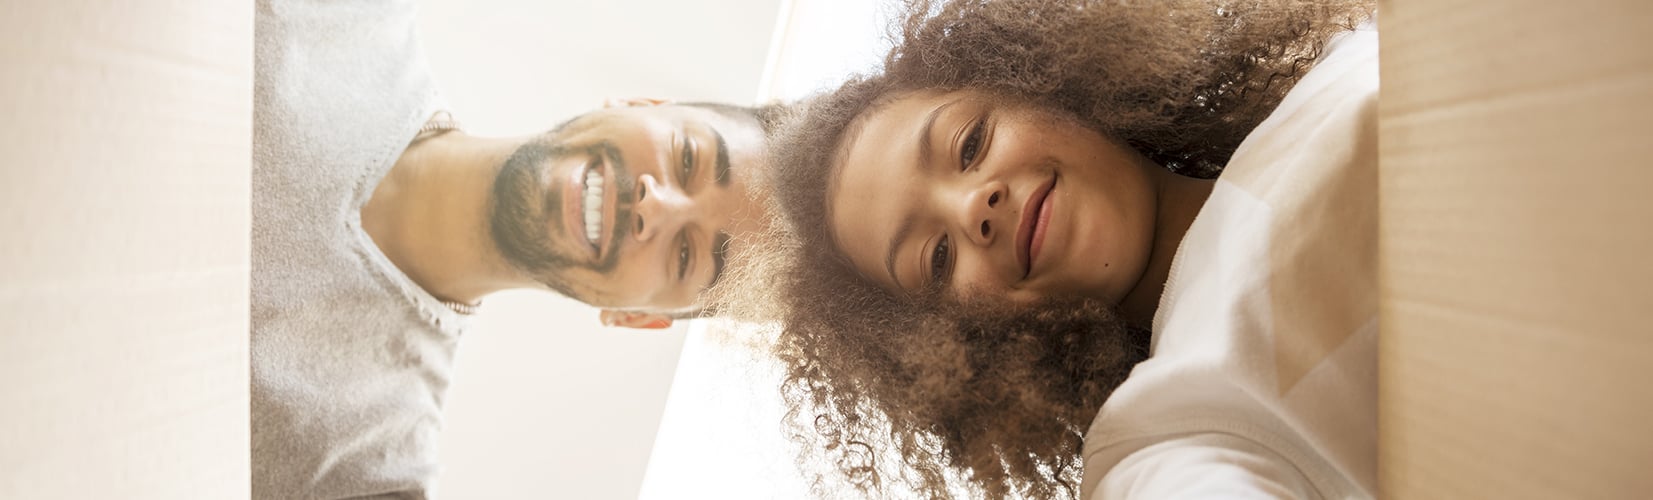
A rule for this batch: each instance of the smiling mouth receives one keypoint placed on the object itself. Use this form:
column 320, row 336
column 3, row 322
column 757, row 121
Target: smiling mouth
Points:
column 1030, row 234
column 593, row 206
column 587, row 194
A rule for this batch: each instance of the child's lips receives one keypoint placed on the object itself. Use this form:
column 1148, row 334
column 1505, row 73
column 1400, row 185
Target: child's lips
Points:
column 1030, row 234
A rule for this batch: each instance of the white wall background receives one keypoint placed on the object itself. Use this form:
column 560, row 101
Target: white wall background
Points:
column 546, row 403
column 721, row 434
column 517, row 66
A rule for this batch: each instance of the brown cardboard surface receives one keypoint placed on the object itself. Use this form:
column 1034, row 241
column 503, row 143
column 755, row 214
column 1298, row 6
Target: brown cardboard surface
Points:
column 1516, row 228
column 124, row 167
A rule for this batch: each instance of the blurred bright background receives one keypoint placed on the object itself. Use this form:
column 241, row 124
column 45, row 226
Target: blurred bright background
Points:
column 545, row 402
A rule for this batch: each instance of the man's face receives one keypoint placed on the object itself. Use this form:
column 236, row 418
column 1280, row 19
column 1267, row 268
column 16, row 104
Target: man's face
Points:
column 631, row 208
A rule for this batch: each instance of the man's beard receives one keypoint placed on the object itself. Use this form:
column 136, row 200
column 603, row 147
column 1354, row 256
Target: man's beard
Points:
column 524, row 208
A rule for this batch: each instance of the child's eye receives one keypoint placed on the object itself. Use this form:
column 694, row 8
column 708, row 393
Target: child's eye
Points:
column 941, row 260
column 971, row 146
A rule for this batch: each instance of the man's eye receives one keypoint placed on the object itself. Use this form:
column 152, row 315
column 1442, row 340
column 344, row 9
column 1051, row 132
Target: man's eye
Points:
column 941, row 259
column 971, row 146
column 682, row 258
column 686, row 171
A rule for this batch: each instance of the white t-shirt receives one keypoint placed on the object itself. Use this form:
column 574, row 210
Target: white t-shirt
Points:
column 1262, row 378
column 350, row 359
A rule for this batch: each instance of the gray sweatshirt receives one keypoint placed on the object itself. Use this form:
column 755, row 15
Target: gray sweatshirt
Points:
column 350, row 359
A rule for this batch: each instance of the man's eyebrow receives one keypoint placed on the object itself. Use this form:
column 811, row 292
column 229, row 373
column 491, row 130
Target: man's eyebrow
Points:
column 720, row 244
column 722, row 166
column 895, row 245
column 925, row 149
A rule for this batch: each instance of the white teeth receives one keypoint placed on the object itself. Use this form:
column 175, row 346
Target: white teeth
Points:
column 593, row 206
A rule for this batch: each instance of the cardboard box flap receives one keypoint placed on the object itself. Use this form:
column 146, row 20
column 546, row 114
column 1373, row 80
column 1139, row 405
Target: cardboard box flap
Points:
column 1515, row 236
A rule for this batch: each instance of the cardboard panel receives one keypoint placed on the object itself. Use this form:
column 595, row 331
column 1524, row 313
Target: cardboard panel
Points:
column 1516, row 230
column 124, row 163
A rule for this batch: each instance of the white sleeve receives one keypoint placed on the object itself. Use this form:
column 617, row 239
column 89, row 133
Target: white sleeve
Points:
column 1203, row 466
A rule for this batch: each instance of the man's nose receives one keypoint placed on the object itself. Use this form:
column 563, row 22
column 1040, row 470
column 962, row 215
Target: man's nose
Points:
column 981, row 212
column 661, row 209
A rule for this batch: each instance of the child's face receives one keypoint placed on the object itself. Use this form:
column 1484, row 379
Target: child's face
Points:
column 970, row 194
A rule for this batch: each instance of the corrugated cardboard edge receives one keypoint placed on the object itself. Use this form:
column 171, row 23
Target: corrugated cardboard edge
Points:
column 1516, row 354
column 125, row 155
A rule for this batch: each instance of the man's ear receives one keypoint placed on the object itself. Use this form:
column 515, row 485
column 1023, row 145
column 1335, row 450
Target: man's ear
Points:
column 639, row 320
column 633, row 102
